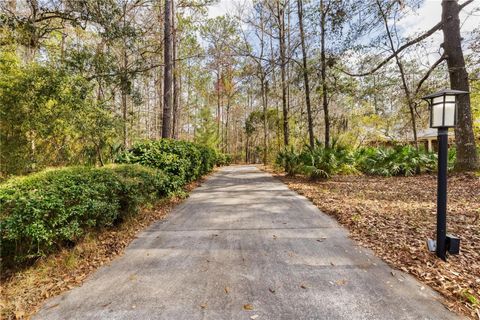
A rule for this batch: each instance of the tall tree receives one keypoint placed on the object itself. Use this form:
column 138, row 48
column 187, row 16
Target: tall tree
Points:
column 467, row 158
column 280, row 17
column 167, row 74
column 176, row 76
column 306, row 82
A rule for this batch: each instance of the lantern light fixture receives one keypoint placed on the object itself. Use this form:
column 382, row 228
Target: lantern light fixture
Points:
column 443, row 115
column 443, row 108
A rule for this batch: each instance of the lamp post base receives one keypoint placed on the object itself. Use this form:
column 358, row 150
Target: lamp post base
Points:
column 431, row 245
column 452, row 244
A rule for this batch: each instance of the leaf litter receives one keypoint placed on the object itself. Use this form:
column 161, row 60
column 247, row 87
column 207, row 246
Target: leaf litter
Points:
column 394, row 216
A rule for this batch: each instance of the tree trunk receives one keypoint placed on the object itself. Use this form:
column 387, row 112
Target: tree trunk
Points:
column 274, row 85
column 124, row 89
column 323, row 59
column 264, row 104
column 125, row 119
column 176, row 78
column 225, row 145
column 467, row 158
column 159, row 82
column 305, row 75
column 167, row 77
column 281, row 38
column 219, row 106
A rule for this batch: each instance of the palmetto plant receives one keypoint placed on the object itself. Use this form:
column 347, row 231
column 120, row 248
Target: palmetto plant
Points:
column 396, row 161
column 322, row 163
column 289, row 160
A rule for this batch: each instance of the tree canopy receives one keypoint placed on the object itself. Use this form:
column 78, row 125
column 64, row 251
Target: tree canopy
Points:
column 81, row 80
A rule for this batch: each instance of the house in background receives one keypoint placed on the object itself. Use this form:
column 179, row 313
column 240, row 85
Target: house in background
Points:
column 428, row 137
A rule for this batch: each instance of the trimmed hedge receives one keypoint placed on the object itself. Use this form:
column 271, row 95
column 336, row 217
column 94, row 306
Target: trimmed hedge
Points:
column 54, row 208
column 184, row 161
column 223, row 159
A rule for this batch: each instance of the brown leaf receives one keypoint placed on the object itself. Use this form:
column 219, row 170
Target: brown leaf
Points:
column 341, row 282
column 248, row 306
column 19, row 314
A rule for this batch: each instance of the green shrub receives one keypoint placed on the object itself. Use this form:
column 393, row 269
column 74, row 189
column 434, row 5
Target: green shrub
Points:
column 182, row 160
column 153, row 154
column 321, row 162
column 223, row 159
column 53, row 208
column 396, row 161
column 209, row 158
column 290, row 161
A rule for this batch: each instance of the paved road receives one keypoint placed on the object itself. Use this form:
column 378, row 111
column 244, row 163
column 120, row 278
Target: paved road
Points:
column 243, row 240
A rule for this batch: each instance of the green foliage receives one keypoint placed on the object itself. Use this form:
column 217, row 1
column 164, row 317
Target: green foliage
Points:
column 209, row 158
column 321, row 162
column 223, row 159
column 56, row 207
column 49, row 118
column 206, row 130
column 397, row 161
column 183, row 161
column 289, row 160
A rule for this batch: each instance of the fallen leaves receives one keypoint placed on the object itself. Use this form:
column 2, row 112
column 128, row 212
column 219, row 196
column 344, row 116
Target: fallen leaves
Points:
column 248, row 307
column 341, row 282
column 394, row 216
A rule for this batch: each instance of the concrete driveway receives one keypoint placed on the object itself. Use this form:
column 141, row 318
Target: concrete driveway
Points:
column 244, row 246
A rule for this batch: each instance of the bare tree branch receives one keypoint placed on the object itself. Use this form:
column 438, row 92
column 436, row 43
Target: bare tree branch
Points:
column 425, row 35
column 425, row 77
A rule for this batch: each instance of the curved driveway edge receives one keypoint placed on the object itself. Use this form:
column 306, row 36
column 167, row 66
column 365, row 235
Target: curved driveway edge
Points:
column 244, row 246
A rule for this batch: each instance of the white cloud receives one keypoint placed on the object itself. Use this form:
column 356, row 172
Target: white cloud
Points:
column 221, row 8
column 430, row 13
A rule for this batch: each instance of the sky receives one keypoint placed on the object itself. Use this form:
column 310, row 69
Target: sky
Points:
column 426, row 17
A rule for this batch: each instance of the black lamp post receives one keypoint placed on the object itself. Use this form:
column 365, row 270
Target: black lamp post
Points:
column 443, row 115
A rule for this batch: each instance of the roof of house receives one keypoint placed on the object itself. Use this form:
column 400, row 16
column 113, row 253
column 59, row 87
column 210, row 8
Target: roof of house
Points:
column 426, row 134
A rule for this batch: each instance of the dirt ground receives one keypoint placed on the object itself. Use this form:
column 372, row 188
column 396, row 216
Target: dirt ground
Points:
column 394, row 217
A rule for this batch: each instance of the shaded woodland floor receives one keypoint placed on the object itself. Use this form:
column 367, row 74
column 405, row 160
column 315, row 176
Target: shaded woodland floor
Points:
column 394, row 217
